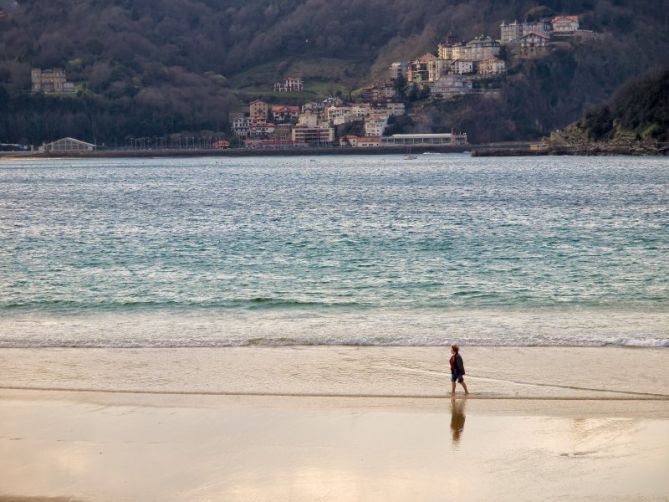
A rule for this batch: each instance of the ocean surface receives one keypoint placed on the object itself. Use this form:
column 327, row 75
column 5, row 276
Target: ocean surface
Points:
column 369, row 250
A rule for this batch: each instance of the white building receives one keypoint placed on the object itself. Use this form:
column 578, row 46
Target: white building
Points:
column 395, row 108
column 313, row 135
column 65, row 145
column 451, row 85
column 375, row 125
column 425, row 139
column 510, row 32
column 565, row 24
column 241, row 125
column 533, row 41
column 492, row 66
column 290, row 84
column 462, row 67
column 309, row 119
column 397, row 69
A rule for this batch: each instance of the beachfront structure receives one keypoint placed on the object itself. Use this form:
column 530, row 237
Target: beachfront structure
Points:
column 313, row 135
column 451, row 138
column 65, row 145
column 50, row 81
column 565, row 24
column 221, row 144
column 289, row 84
column 360, row 141
column 258, row 111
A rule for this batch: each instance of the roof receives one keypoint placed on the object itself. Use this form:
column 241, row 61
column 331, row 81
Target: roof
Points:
column 565, row 18
column 427, row 57
column 427, row 135
column 536, row 34
column 78, row 141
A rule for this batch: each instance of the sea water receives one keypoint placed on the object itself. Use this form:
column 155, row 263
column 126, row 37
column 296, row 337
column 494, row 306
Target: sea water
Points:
column 324, row 250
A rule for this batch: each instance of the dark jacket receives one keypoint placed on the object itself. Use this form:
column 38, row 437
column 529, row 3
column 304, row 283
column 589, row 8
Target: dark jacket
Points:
column 459, row 365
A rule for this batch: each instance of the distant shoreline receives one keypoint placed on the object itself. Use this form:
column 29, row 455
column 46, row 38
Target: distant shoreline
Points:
column 511, row 149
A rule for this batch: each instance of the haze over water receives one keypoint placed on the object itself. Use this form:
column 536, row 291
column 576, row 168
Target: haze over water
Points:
column 334, row 250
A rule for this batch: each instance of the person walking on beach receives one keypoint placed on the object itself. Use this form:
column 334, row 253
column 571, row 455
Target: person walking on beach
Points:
column 457, row 369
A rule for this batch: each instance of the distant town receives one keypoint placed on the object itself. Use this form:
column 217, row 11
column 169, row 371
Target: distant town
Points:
column 454, row 69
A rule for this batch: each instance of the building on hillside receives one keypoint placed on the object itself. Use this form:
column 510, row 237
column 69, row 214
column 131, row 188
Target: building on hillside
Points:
column 397, row 70
column 532, row 43
column 541, row 27
column 480, row 48
column 50, row 81
column 449, row 50
column 425, row 139
column 395, row 108
column 313, row 135
column 283, row 132
column 375, row 125
column 259, row 112
column 65, row 145
column 379, row 93
column 451, row 85
column 462, row 67
column 492, row 66
column 510, row 32
column 241, row 125
column 420, row 69
column 360, row 141
column 337, row 115
column 289, row 84
column 261, row 131
column 565, row 24
column 309, row 119
column 282, row 114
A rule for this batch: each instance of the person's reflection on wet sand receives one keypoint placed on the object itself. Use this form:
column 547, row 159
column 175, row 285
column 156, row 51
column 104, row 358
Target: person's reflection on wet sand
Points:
column 457, row 418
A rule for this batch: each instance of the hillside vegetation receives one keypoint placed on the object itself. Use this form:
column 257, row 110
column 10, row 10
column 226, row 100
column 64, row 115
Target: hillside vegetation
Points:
column 154, row 67
column 637, row 114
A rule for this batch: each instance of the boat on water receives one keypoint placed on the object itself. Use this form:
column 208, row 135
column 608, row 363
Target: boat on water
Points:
column 410, row 157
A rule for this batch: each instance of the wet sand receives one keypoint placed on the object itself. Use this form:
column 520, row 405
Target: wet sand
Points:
column 335, row 423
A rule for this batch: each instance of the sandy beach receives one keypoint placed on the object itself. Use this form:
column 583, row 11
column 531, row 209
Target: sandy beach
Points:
column 333, row 423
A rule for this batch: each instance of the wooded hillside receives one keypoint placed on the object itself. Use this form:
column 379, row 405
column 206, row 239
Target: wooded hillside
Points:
column 153, row 67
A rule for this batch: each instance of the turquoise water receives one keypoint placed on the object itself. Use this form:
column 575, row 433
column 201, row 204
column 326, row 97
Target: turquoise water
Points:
column 330, row 250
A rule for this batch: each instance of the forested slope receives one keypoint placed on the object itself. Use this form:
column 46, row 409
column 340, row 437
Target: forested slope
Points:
column 638, row 113
column 152, row 67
